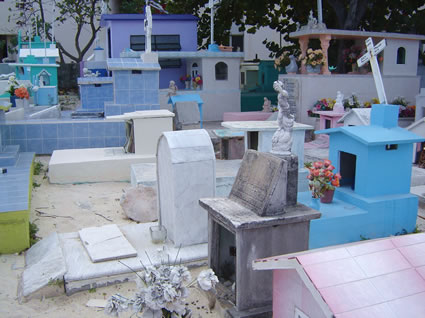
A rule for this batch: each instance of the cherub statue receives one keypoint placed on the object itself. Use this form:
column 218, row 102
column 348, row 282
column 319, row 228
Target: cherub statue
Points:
column 172, row 89
column 267, row 106
column 338, row 107
column 282, row 138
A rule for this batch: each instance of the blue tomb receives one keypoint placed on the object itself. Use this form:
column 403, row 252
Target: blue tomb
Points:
column 374, row 199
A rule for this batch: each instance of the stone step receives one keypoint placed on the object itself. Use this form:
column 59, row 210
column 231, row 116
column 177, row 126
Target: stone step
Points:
column 9, row 155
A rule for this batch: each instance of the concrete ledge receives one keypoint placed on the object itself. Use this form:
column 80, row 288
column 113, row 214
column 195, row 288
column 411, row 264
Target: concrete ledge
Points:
column 93, row 165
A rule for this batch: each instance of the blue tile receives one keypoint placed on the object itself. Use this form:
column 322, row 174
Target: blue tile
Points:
column 66, row 143
column 112, row 142
column 18, row 132
column 34, row 131
column 21, row 142
column 122, row 82
column 121, row 130
column 151, row 96
column 49, row 145
column 49, row 130
column 97, row 142
column 65, row 131
column 111, row 129
column 80, row 143
column 112, row 110
column 96, row 130
column 155, row 107
column 137, row 82
column 127, row 109
column 81, row 129
column 122, row 97
column 5, row 132
column 142, row 107
column 123, row 139
column 35, row 145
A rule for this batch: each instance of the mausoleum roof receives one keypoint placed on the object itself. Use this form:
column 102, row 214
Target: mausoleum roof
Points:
column 375, row 135
column 387, row 273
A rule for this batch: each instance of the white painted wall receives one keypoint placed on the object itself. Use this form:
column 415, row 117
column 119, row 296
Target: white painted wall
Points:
column 312, row 88
column 390, row 66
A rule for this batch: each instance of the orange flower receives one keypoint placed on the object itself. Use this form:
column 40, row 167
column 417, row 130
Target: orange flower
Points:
column 335, row 182
column 318, row 164
column 22, row 92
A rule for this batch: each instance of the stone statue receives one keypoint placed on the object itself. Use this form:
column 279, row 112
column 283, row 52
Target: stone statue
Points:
column 282, row 138
column 172, row 89
column 148, row 28
column 88, row 73
column 267, row 106
column 339, row 107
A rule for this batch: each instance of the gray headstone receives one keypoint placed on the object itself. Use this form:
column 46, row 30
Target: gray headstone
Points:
column 266, row 183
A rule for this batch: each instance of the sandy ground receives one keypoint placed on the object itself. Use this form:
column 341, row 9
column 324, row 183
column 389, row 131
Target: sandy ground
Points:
column 68, row 208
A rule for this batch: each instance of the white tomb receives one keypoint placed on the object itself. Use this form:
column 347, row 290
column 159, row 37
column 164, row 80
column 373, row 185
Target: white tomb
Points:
column 185, row 173
column 112, row 164
column 356, row 117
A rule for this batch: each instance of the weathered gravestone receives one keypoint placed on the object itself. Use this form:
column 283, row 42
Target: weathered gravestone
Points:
column 185, row 173
column 260, row 218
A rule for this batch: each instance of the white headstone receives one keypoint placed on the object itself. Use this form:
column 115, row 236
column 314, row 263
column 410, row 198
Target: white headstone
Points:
column 370, row 56
column 185, row 173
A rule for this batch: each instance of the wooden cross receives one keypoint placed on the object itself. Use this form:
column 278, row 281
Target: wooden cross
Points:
column 370, row 56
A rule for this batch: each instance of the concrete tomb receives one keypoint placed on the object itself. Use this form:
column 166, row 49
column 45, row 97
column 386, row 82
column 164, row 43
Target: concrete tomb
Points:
column 185, row 173
column 260, row 217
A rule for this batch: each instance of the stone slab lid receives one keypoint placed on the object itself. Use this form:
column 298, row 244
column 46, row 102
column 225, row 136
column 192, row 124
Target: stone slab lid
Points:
column 140, row 114
column 106, row 243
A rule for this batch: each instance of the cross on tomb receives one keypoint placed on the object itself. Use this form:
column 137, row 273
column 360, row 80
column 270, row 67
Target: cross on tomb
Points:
column 370, row 56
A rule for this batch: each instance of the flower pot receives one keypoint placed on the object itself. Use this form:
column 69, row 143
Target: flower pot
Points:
column 187, row 84
column 21, row 103
column 313, row 69
column 13, row 100
column 328, row 196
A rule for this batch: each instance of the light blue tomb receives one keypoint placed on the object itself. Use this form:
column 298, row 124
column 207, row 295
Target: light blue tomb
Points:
column 374, row 199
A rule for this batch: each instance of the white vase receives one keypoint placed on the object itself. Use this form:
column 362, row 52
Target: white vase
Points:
column 20, row 102
column 187, row 84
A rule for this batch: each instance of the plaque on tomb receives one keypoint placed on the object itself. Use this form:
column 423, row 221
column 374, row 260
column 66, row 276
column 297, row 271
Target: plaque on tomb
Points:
column 291, row 86
column 264, row 183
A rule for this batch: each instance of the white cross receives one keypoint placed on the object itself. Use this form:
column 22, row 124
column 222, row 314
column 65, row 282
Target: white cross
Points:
column 211, row 4
column 370, row 56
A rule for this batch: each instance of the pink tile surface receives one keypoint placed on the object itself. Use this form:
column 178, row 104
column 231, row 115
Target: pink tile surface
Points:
column 415, row 254
column 381, row 263
column 375, row 311
column 409, row 307
column 421, row 271
column 410, row 239
column 334, row 272
column 370, row 247
column 323, row 256
column 351, row 296
column 399, row 284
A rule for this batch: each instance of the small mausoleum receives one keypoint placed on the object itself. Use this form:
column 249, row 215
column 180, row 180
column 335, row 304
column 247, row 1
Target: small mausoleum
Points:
column 381, row 279
column 374, row 199
column 37, row 64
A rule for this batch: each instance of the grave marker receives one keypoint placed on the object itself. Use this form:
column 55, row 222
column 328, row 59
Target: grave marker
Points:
column 370, row 56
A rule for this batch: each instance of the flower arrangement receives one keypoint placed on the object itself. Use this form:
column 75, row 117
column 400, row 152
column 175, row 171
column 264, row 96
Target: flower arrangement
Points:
column 351, row 54
column 407, row 111
column 13, row 84
column 322, row 177
column 322, row 104
column 369, row 104
column 162, row 292
column 400, row 100
column 197, row 81
column 185, row 78
column 313, row 57
column 22, row 92
column 281, row 61
column 352, row 102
